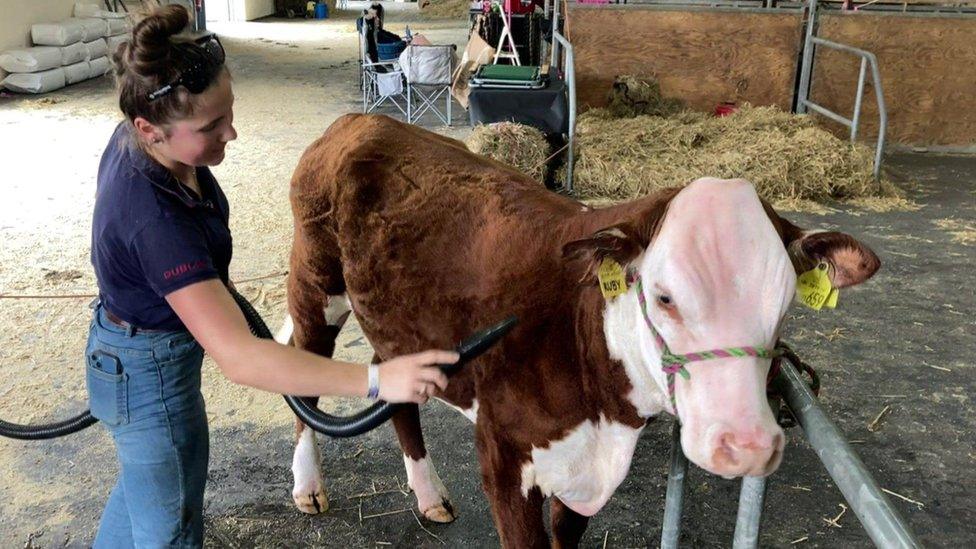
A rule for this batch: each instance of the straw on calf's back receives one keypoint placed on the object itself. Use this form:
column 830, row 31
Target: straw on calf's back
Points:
column 430, row 242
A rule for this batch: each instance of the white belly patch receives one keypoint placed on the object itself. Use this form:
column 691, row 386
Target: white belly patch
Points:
column 584, row 468
column 470, row 413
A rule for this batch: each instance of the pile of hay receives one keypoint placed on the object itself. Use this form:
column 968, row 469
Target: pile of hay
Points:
column 787, row 157
column 520, row 146
column 445, row 8
column 632, row 96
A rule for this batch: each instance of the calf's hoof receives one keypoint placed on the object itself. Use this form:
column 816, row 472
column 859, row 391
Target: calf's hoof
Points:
column 312, row 501
column 443, row 512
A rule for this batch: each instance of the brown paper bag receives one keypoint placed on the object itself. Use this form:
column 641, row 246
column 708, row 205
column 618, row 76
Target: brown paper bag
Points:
column 477, row 53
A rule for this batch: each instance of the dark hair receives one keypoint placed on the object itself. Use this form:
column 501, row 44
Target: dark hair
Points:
column 149, row 61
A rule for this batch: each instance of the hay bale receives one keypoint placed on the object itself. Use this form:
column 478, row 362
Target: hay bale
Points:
column 786, row 156
column 520, row 146
column 633, row 96
column 445, row 8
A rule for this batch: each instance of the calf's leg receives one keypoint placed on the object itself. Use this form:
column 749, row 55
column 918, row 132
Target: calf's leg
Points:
column 567, row 525
column 318, row 307
column 433, row 500
column 517, row 513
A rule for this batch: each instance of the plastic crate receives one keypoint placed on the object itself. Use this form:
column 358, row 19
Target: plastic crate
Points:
column 390, row 50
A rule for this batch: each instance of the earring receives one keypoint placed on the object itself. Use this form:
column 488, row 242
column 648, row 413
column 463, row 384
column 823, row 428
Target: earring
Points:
column 157, row 140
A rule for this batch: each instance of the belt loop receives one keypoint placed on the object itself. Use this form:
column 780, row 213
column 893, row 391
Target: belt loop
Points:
column 130, row 330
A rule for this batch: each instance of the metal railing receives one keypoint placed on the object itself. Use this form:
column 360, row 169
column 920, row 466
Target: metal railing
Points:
column 879, row 518
column 567, row 64
column 803, row 101
column 877, row 515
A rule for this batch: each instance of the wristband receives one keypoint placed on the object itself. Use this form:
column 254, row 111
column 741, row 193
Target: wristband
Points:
column 373, row 375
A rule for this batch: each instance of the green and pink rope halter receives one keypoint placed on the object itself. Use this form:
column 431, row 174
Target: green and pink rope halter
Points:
column 675, row 364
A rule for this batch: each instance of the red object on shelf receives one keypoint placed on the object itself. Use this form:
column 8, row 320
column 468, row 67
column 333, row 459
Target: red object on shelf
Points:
column 725, row 108
column 520, row 7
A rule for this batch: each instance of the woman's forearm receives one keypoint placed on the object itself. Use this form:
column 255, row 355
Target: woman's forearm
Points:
column 270, row 366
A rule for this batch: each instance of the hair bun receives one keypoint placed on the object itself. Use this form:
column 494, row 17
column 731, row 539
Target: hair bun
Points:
column 150, row 47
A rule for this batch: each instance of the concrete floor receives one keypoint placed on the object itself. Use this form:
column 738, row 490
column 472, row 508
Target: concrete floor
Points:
column 904, row 340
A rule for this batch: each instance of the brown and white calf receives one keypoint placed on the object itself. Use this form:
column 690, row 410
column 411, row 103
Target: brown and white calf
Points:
column 427, row 242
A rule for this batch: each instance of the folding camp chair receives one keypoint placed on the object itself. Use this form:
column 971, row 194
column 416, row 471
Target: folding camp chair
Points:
column 381, row 81
column 429, row 74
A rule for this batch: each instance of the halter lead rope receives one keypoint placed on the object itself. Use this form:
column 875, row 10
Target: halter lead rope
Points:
column 675, row 364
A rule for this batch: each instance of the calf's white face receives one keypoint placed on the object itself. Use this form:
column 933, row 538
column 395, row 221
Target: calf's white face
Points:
column 717, row 276
column 718, row 270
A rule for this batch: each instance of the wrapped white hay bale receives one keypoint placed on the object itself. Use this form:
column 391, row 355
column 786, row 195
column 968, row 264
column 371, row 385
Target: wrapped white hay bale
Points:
column 115, row 41
column 99, row 67
column 38, row 58
column 94, row 28
column 74, row 53
column 77, row 72
column 116, row 26
column 84, row 9
column 57, row 34
column 520, row 146
column 35, row 82
column 90, row 9
column 97, row 48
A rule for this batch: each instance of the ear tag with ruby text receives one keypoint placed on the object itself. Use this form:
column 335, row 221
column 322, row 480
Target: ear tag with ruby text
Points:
column 611, row 276
column 813, row 288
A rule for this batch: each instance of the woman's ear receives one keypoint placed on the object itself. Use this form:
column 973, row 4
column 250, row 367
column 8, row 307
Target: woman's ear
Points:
column 147, row 131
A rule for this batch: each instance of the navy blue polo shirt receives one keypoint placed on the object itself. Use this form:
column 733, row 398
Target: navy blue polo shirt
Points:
column 151, row 235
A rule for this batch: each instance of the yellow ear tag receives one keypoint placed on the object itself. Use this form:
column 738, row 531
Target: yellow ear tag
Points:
column 832, row 298
column 814, row 290
column 612, row 281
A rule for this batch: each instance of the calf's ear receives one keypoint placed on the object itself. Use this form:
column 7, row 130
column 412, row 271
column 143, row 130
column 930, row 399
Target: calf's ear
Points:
column 850, row 261
column 621, row 242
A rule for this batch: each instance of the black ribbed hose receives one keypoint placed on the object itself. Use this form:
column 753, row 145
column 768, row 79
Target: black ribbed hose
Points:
column 51, row 430
column 327, row 424
column 378, row 413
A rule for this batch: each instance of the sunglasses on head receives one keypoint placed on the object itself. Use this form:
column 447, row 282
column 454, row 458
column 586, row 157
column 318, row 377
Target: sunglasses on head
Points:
column 205, row 56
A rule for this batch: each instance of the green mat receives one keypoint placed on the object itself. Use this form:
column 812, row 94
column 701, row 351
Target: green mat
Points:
column 512, row 73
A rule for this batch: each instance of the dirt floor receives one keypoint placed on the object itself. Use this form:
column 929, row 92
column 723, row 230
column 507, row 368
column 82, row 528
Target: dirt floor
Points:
column 904, row 341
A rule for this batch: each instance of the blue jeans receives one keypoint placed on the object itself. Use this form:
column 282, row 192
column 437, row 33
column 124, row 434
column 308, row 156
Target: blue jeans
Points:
column 145, row 388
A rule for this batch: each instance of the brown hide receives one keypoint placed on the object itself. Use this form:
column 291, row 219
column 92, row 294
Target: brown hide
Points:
column 436, row 242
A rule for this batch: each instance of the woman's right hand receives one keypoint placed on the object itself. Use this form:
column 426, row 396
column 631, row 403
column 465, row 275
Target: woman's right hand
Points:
column 414, row 378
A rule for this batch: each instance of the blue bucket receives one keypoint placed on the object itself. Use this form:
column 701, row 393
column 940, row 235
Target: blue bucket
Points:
column 390, row 50
column 321, row 10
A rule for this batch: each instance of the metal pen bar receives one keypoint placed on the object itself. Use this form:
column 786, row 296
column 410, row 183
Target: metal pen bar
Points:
column 878, row 93
column 882, row 112
column 751, row 498
column 546, row 45
column 806, row 69
column 673, row 501
column 570, row 70
column 819, row 109
column 554, row 52
column 857, row 99
column 878, row 517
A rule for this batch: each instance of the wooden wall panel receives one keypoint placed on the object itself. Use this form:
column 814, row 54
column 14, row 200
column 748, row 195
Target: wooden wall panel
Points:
column 928, row 74
column 701, row 57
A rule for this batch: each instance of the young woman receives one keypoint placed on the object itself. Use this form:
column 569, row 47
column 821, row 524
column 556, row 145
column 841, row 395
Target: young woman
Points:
column 161, row 250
